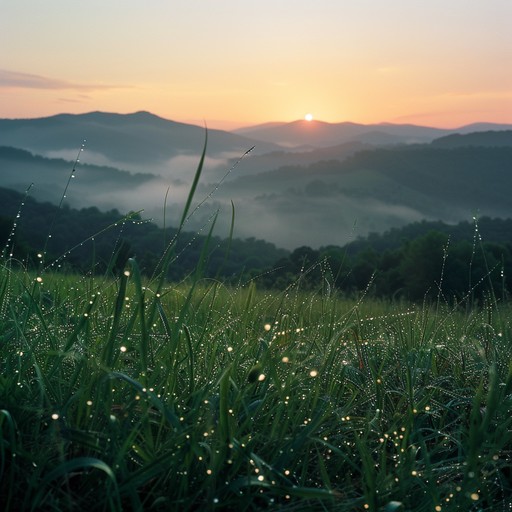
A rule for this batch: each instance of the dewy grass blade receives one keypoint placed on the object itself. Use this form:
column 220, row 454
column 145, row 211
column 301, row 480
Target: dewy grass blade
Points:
column 195, row 279
column 230, row 240
column 191, row 361
column 144, row 343
column 92, row 237
column 194, row 183
column 161, row 270
column 224, row 427
column 8, row 250
column 108, row 350
column 84, row 319
column 8, row 449
column 79, row 464
column 168, row 414
column 63, row 197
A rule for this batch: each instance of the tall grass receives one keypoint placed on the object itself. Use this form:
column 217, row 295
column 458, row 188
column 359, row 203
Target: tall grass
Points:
column 138, row 394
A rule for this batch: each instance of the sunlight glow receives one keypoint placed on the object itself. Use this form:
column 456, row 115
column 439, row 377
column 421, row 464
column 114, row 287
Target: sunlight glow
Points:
column 308, row 117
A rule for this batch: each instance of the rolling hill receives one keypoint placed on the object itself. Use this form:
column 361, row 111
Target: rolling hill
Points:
column 491, row 138
column 331, row 202
column 139, row 142
column 90, row 185
column 291, row 197
column 306, row 134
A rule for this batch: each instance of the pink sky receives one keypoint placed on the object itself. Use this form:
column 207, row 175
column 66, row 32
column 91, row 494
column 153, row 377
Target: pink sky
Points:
column 232, row 63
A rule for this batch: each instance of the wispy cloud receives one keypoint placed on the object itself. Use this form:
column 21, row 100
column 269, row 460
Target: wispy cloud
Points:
column 80, row 98
column 15, row 79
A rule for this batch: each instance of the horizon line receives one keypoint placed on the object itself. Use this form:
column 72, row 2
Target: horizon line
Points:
column 236, row 125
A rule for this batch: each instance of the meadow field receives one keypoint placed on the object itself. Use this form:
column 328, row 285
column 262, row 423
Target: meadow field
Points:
column 131, row 394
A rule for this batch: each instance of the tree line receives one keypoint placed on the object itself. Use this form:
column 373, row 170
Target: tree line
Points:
column 85, row 240
column 424, row 260
column 418, row 261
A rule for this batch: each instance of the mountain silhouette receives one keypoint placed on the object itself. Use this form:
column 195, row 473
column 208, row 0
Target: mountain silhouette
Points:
column 325, row 185
column 302, row 133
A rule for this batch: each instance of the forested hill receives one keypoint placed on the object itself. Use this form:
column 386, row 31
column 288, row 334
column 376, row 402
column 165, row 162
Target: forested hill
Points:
column 469, row 258
column 422, row 259
column 483, row 139
column 373, row 190
column 20, row 168
column 488, row 230
column 88, row 238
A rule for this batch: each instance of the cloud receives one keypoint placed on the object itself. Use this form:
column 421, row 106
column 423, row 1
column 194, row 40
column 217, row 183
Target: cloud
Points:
column 14, row 79
column 81, row 98
column 183, row 167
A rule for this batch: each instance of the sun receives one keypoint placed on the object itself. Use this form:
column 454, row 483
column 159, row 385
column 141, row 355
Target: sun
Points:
column 308, row 117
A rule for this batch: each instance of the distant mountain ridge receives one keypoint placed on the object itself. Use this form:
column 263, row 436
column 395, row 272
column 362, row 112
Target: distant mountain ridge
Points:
column 328, row 202
column 283, row 158
column 490, row 138
column 20, row 169
column 321, row 134
column 128, row 140
column 332, row 182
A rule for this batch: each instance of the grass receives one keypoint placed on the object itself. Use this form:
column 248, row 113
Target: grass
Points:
column 233, row 398
column 137, row 394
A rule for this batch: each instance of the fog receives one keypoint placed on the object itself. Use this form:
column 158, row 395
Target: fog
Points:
column 326, row 196
column 289, row 208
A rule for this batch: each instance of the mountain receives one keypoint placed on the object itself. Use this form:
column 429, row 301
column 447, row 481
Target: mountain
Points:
column 321, row 134
column 262, row 126
column 482, row 127
column 85, row 237
column 488, row 139
column 277, row 159
column 330, row 202
column 140, row 142
column 302, row 133
column 336, row 189
column 90, row 185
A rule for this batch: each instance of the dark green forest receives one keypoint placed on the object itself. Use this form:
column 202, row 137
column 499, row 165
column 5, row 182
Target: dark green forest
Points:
column 421, row 260
column 88, row 240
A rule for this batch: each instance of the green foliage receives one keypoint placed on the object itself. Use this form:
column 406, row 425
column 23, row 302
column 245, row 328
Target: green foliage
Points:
column 423, row 260
column 238, row 398
column 88, row 239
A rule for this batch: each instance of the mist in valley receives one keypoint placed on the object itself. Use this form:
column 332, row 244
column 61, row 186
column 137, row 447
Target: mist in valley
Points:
column 329, row 194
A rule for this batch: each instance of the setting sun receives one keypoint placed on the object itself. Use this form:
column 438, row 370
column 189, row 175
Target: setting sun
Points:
column 308, row 117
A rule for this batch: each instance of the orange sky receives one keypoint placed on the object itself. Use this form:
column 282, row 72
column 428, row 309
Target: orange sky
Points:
column 233, row 62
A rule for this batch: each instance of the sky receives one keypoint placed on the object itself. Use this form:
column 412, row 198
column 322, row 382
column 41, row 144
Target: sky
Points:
column 233, row 63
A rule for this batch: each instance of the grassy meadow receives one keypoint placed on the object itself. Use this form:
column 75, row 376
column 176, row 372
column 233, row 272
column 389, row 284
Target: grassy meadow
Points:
column 123, row 395
column 133, row 393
